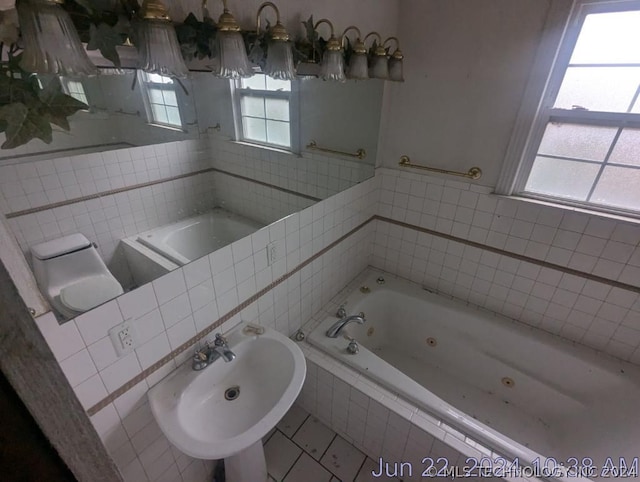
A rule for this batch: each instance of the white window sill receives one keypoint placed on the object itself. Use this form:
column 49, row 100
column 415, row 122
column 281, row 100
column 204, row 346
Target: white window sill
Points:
column 577, row 209
column 266, row 147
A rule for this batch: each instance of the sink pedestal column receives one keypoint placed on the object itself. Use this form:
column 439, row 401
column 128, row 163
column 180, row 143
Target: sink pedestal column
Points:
column 247, row 466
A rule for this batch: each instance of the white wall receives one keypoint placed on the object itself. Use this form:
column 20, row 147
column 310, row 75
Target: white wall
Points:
column 172, row 309
column 558, row 297
column 466, row 67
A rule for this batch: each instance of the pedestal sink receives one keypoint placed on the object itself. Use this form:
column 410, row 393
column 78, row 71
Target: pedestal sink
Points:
column 224, row 410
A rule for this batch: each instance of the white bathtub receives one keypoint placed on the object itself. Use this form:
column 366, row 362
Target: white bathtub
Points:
column 158, row 251
column 453, row 361
column 192, row 238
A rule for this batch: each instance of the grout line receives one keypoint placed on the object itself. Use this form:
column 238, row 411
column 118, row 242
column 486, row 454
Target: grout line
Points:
column 298, row 429
column 133, row 187
column 294, row 462
column 266, row 184
column 520, row 257
column 199, row 336
column 335, row 435
column 110, row 192
column 364, row 461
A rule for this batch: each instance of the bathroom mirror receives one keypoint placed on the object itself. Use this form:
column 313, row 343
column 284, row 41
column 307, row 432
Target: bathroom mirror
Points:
column 152, row 172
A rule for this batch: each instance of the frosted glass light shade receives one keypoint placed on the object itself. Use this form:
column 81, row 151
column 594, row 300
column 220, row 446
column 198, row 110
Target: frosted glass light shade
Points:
column 51, row 43
column 396, row 70
column 379, row 67
column 332, row 66
column 280, row 61
column 159, row 49
column 233, row 62
column 358, row 68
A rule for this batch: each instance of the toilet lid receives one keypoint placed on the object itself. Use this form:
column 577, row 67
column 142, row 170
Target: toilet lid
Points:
column 90, row 292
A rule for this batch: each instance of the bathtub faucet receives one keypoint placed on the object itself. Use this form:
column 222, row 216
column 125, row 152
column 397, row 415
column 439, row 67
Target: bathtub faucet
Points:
column 337, row 327
column 205, row 357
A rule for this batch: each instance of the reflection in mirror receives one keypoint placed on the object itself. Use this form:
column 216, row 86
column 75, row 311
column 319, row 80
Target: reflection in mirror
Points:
column 157, row 173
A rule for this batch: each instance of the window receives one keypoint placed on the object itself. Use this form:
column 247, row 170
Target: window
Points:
column 161, row 100
column 584, row 147
column 75, row 89
column 263, row 111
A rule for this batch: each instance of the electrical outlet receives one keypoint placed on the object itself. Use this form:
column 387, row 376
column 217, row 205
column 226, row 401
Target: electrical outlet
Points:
column 272, row 253
column 275, row 251
column 123, row 337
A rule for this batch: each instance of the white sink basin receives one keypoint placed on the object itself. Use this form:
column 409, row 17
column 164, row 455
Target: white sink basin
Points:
column 191, row 408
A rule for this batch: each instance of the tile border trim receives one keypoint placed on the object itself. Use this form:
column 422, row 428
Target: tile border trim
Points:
column 520, row 257
column 119, row 190
column 167, row 358
column 252, row 299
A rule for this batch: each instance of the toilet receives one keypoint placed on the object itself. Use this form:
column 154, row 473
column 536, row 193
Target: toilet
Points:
column 72, row 276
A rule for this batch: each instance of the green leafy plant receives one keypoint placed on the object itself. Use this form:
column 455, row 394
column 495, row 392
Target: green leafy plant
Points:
column 27, row 110
column 196, row 38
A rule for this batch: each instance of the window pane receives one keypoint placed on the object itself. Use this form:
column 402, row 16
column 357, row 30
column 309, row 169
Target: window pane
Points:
column 173, row 115
column 254, row 129
column 277, row 109
column 257, row 82
column 618, row 186
column 560, row 178
column 159, row 113
column 253, row 106
column 155, row 96
column 608, row 38
column 278, row 133
column 577, row 141
column 170, row 98
column 159, row 79
column 274, row 84
column 627, row 149
column 591, row 88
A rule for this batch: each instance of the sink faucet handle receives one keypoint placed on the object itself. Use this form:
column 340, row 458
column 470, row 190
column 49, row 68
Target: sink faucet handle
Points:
column 342, row 311
column 199, row 356
column 219, row 340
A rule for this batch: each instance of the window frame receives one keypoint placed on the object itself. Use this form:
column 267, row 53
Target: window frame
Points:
column 536, row 112
column 64, row 84
column 144, row 86
column 292, row 96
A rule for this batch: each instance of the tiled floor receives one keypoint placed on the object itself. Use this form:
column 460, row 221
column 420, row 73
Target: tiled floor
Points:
column 303, row 449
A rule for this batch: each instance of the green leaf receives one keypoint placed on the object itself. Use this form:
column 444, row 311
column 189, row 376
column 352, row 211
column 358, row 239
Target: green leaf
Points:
column 22, row 125
column 310, row 30
column 56, row 106
column 105, row 38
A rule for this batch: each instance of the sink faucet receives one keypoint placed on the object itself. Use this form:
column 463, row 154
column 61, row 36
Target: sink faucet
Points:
column 335, row 329
column 207, row 355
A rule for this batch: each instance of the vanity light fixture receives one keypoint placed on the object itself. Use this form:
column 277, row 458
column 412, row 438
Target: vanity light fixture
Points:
column 51, row 43
column 279, row 63
column 357, row 68
column 233, row 61
column 378, row 65
column 158, row 45
column 396, row 71
column 332, row 64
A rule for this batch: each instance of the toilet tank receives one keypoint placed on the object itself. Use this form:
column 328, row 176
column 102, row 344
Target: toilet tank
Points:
column 58, row 262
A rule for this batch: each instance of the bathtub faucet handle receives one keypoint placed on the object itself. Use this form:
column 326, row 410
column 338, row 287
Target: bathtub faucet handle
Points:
column 342, row 312
column 353, row 347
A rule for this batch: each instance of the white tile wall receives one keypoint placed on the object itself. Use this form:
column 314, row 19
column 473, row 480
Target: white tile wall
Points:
column 377, row 421
column 593, row 313
column 107, row 219
column 590, row 312
column 311, row 173
column 165, row 316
